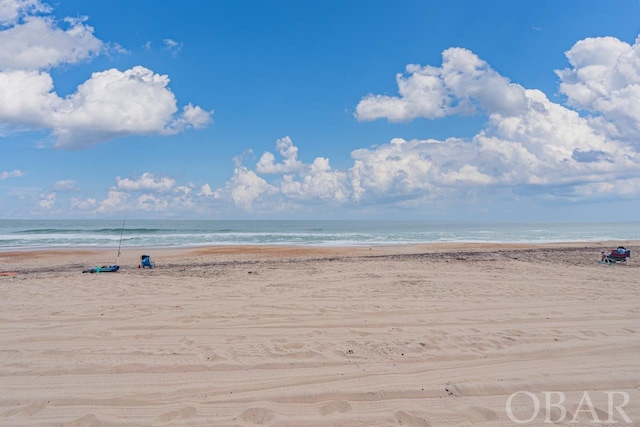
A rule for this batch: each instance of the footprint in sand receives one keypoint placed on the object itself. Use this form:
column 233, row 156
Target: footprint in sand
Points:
column 185, row 412
column 186, row 342
column 477, row 414
column 213, row 357
column 335, row 406
column 86, row 421
column 257, row 415
column 236, row 338
column 296, row 345
column 406, row 419
column 29, row 410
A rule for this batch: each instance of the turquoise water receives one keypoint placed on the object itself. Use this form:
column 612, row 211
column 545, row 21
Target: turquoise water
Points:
column 21, row 234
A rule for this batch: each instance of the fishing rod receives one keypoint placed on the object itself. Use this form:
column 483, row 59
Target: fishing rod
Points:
column 120, row 244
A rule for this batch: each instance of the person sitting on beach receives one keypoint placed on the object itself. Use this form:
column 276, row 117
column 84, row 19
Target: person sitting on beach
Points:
column 621, row 250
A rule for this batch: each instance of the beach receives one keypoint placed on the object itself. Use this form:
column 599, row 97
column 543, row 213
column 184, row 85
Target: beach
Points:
column 415, row 335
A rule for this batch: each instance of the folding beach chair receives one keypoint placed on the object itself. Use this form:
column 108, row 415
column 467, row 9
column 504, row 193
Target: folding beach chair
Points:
column 616, row 256
column 145, row 261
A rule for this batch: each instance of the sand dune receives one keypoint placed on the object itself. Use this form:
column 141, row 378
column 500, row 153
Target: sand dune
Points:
column 430, row 335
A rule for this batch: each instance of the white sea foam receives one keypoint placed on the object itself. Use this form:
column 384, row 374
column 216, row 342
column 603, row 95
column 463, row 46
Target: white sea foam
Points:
column 25, row 234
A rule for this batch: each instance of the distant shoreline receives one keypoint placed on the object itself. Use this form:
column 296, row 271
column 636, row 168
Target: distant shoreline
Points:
column 289, row 248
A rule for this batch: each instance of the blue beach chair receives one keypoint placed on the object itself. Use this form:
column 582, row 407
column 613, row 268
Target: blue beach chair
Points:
column 145, row 261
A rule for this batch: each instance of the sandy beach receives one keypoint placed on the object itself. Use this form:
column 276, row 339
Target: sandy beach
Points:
column 425, row 335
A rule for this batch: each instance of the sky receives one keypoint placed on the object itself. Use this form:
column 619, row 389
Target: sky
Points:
column 464, row 110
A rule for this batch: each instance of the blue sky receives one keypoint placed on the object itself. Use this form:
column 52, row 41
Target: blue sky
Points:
column 465, row 110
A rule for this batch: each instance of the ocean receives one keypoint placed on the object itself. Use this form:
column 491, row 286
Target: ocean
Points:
column 44, row 234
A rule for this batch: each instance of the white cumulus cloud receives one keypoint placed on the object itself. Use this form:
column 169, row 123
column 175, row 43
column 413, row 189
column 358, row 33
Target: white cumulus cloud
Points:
column 16, row 173
column 604, row 79
column 206, row 191
column 528, row 140
column 463, row 83
column 319, row 181
column 112, row 103
column 294, row 180
column 47, row 200
column 146, row 182
column 148, row 193
column 65, row 185
column 149, row 202
column 529, row 144
column 245, row 188
column 83, row 205
column 172, row 46
column 116, row 201
column 289, row 153
column 40, row 44
column 12, row 10
column 27, row 98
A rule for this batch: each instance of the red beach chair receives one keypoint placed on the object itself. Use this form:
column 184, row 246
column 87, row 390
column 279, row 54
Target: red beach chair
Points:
column 616, row 256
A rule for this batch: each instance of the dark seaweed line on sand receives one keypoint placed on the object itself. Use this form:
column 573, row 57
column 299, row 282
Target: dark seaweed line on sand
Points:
column 586, row 255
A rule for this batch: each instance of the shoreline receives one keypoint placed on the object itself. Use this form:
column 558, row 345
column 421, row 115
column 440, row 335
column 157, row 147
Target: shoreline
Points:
column 31, row 259
column 258, row 246
column 173, row 261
